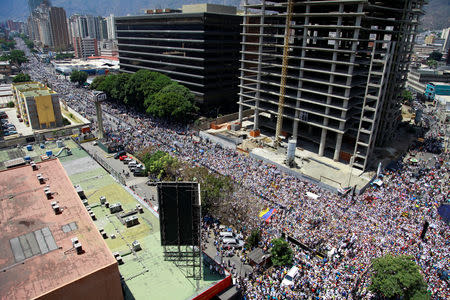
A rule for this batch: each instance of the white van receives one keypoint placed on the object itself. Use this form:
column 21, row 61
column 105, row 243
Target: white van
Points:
column 290, row 277
column 226, row 234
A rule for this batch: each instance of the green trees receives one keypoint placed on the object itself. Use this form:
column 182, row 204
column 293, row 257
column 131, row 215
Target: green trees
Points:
column 407, row 96
column 173, row 101
column 435, row 55
column 7, row 45
column 397, row 278
column 16, row 57
column 159, row 164
column 78, row 76
column 22, row 77
column 63, row 55
column 151, row 92
column 281, row 252
column 253, row 239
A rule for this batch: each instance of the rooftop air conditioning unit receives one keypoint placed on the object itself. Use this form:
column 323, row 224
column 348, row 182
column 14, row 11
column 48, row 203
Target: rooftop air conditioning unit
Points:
column 33, row 166
column 102, row 200
column 92, row 214
column 131, row 221
column 136, row 246
column 139, row 208
column 78, row 248
column 115, row 208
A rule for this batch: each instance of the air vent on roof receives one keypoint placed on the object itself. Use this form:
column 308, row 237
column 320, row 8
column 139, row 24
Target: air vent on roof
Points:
column 77, row 245
column 139, row 208
column 102, row 200
column 115, row 208
column 131, row 221
column 103, row 233
column 33, row 166
column 136, row 246
column 40, row 178
column 48, row 193
column 92, row 214
column 118, row 258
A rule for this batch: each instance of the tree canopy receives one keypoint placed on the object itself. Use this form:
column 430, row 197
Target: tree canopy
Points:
column 281, row 252
column 16, row 57
column 435, row 55
column 78, row 76
column 397, row 277
column 173, row 101
column 7, row 45
column 22, row 77
column 152, row 92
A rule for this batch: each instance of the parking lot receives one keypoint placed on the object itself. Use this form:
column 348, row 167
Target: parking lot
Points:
column 20, row 127
column 138, row 184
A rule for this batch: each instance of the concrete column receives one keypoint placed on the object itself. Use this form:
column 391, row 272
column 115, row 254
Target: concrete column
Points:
column 258, row 75
column 300, row 76
column 338, row 147
column 323, row 139
column 241, row 89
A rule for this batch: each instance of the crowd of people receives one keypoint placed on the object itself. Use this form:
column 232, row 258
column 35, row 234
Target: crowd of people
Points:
column 351, row 231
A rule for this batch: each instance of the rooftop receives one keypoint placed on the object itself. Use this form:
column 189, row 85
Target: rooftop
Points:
column 147, row 275
column 38, row 93
column 23, row 86
column 38, row 255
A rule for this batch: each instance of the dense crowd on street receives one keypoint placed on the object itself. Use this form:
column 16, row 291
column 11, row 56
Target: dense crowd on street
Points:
column 349, row 230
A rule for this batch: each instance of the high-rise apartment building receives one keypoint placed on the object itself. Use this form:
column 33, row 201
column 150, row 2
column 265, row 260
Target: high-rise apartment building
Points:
column 48, row 26
column 58, row 24
column 327, row 73
column 198, row 49
column 33, row 4
column 111, row 27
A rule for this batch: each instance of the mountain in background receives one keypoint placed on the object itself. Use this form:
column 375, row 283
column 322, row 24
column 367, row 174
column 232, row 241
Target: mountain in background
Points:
column 18, row 9
column 437, row 16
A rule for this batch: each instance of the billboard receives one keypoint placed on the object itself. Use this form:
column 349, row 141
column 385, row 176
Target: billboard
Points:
column 179, row 213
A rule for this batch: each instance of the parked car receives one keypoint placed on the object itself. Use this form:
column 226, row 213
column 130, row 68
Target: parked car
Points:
column 290, row 277
column 232, row 242
column 12, row 132
column 123, row 157
column 119, row 154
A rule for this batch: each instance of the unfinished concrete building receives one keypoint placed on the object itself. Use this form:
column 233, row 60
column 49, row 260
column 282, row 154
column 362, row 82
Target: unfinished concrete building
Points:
column 327, row 73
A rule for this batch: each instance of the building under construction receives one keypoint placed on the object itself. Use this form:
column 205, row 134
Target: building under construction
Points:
column 327, row 73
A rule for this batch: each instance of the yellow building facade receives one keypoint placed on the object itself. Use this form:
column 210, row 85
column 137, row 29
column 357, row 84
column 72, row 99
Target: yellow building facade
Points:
column 37, row 105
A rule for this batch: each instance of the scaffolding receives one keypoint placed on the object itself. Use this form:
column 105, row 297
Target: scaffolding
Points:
column 327, row 73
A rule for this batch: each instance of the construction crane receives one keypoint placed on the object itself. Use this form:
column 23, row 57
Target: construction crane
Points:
column 284, row 69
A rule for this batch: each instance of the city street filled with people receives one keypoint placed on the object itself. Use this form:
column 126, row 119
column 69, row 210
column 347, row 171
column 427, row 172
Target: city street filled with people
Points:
column 349, row 231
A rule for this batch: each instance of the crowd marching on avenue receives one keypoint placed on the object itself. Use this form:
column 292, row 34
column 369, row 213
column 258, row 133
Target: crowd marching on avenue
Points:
column 384, row 219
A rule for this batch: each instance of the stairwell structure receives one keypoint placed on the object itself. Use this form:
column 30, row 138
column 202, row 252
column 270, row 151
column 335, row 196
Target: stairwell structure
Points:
column 347, row 62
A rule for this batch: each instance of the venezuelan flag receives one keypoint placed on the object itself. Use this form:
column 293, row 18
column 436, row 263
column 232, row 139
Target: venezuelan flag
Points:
column 263, row 212
column 269, row 214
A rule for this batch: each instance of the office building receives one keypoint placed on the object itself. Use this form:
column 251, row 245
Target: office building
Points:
column 198, row 49
column 331, row 77
column 418, row 78
column 38, row 105
column 85, row 47
column 434, row 89
column 51, row 248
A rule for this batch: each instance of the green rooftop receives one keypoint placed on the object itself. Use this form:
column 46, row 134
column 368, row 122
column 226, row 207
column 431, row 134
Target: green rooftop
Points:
column 37, row 93
column 27, row 86
column 146, row 274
